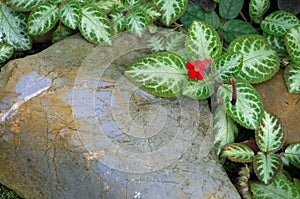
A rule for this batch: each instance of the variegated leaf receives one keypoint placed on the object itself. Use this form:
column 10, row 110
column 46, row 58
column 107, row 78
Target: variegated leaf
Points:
column 161, row 74
column 248, row 108
column 292, row 153
column 119, row 21
column 229, row 65
column 237, row 152
column 104, row 5
column 279, row 22
column 170, row 10
column 269, row 135
column 280, row 188
column 260, row 61
column 136, row 22
column 292, row 78
column 230, row 9
column 94, row 26
column 6, row 52
column 257, row 8
column 202, row 42
column 132, row 3
column 150, row 11
column 70, row 14
column 24, row 5
column 42, row 19
column 292, row 40
column 13, row 28
column 198, row 89
column 277, row 43
column 225, row 129
column 266, row 166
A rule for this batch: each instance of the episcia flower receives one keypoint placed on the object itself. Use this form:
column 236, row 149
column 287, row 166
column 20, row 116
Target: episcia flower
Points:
column 196, row 69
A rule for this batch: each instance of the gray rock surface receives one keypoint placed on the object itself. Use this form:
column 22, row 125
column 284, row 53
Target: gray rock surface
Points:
column 72, row 126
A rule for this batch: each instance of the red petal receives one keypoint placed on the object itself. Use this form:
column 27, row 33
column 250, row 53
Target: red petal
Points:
column 192, row 74
column 190, row 65
column 200, row 64
column 200, row 75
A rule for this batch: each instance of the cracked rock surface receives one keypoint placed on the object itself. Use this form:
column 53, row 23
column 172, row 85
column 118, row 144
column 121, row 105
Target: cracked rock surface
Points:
column 73, row 126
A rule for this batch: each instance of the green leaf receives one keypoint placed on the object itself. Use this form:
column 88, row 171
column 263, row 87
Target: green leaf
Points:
column 230, row 9
column 6, row 52
column 260, row 61
column 161, row 74
column 292, row 40
column 42, row 19
column 292, row 153
column 150, row 11
column 277, row 43
column 198, row 89
column 119, row 22
column 70, row 14
column 13, row 26
column 170, row 10
column 104, row 6
column 266, row 166
column 269, row 135
column 60, row 33
column 202, row 42
column 225, row 129
column 24, row 5
column 235, row 28
column 292, row 78
column 94, row 26
column 279, row 22
column 195, row 12
column 238, row 152
column 132, row 3
column 280, row 188
column 229, row 65
column 257, row 8
column 248, row 108
column 136, row 22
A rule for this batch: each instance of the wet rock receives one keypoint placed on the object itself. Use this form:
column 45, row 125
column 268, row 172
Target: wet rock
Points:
column 286, row 106
column 73, row 126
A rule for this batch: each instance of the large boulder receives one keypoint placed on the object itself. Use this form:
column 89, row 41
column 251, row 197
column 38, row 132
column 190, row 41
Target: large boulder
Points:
column 73, row 126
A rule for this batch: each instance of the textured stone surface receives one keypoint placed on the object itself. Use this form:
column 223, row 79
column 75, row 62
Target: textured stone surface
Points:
column 286, row 106
column 72, row 126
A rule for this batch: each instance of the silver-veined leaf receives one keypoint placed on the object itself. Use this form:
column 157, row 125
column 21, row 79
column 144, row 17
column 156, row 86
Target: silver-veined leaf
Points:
column 292, row 153
column 280, row 188
column 266, row 166
column 279, row 22
column 260, row 61
column 198, row 89
column 269, row 134
column 13, row 28
column 277, row 43
column 235, row 28
column 69, row 14
column 170, row 10
column 202, row 42
column 104, row 6
column 292, row 40
column 24, row 5
column 6, row 51
column 230, row 9
column 225, row 129
column 150, row 11
column 161, row 74
column 119, row 22
column 247, row 110
column 292, row 78
column 94, row 26
column 42, row 19
column 237, row 152
column 257, row 8
column 136, row 22
column 132, row 3
column 229, row 65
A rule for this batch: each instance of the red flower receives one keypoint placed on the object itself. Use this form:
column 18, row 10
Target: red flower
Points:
column 197, row 68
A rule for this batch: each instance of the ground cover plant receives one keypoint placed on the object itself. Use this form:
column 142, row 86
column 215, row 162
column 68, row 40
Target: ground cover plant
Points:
column 229, row 45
